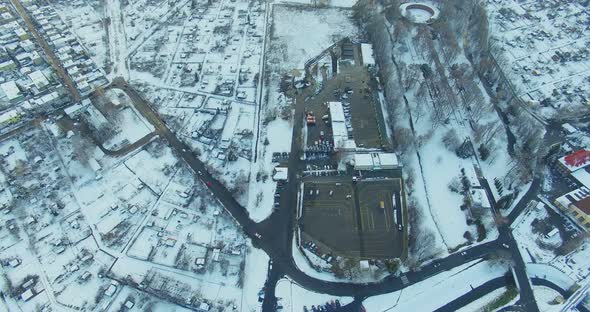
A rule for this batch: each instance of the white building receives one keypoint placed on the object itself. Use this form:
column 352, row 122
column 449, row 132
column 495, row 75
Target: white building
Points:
column 339, row 131
column 38, row 79
column 375, row 161
column 281, row 174
column 9, row 117
column 11, row 91
column 367, row 53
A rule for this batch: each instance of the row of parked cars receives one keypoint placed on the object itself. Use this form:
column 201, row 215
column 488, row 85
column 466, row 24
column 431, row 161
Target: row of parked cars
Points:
column 312, row 247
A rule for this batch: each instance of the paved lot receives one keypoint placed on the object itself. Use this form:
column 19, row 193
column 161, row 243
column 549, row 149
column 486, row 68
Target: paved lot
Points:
column 332, row 220
column 355, row 226
column 381, row 235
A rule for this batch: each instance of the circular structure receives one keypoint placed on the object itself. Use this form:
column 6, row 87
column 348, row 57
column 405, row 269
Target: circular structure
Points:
column 418, row 12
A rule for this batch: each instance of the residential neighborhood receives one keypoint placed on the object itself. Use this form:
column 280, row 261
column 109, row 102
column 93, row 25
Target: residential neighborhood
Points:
column 311, row 156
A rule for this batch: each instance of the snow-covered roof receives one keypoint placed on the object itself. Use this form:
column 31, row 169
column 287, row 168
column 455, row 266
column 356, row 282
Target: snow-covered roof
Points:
column 336, row 112
column 388, row 160
column 471, row 175
column 569, row 128
column 281, row 174
column 363, row 160
column 479, row 198
column 367, row 53
column 339, row 131
column 583, row 176
column 38, row 79
column 10, row 89
column 28, row 294
column 94, row 164
column 71, row 110
column 8, row 115
column 375, row 161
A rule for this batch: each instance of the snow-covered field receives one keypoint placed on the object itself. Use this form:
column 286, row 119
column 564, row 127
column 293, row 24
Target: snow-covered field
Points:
column 301, row 33
column 294, row 298
column 443, row 180
column 438, row 290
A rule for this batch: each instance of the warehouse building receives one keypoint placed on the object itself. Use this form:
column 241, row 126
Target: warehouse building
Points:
column 342, row 141
column 375, row 161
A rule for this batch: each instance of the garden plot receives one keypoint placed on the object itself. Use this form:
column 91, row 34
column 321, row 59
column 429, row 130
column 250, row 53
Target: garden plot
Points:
column 217, row 287
column 206, row 52
column 82, row 277
column 140, row 301
column 38, row 196
column 180, row 232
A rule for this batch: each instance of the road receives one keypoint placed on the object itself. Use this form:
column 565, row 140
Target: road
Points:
column 527, row 297
column 117, row 39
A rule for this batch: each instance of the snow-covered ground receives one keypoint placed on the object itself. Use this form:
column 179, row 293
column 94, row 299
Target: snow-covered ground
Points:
column 294, row 298
column 438, row 290
column 438, row 173
column 546, row 298
column 301, row 33
column 483, row 302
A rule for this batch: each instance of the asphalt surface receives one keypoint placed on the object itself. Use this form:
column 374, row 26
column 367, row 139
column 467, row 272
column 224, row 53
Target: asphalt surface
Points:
column 276, row 232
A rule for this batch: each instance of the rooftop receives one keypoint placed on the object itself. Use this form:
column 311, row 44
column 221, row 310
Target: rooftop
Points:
column 576, row 160
column 584, row 205
column 367, row 52
column 574, row 197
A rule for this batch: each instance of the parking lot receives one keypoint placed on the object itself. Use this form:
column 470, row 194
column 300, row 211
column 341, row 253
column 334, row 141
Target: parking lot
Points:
column 331, row 220
column 351, row 86
column 382, row 227
column 334, row 207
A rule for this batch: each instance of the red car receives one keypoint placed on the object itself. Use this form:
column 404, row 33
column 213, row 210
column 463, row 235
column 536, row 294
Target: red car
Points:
column 209, row 183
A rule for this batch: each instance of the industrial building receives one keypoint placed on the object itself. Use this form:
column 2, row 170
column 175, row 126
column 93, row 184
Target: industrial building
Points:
column 342, row 141
column 577, row 204
column 375, row 161
column 367, row 54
